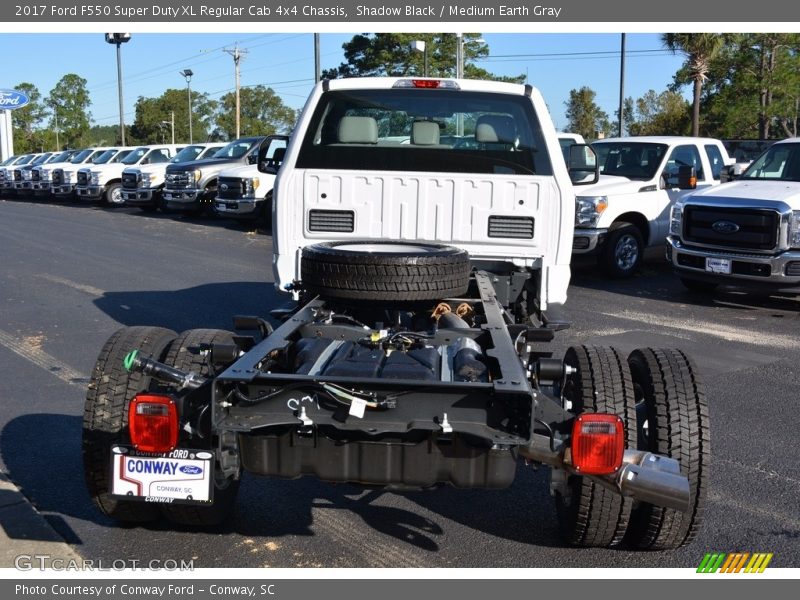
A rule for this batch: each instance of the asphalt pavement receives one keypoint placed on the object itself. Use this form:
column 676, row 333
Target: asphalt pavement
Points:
column 71, row 275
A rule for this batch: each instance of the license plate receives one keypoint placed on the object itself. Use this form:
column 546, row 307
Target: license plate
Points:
column 718, row 265
column 180, row 477
column 167, row 196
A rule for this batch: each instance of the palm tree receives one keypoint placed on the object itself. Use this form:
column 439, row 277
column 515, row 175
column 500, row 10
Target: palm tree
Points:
column 700, row 49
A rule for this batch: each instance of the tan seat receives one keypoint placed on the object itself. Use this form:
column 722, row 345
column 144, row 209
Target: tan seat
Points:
column 358, row 130
column 425, row 133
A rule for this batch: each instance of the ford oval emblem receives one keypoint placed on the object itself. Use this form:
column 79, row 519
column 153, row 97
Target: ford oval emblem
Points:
column 224, row 186
column 725, row 227
column 12, row 99
column 191, row 470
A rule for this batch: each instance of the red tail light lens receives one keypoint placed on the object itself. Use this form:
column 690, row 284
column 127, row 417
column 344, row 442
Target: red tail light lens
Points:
column 426, row 83
column 598, row 443
column 153, row 423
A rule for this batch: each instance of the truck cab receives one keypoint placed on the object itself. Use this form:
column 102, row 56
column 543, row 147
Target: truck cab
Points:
column 40, row 174
column 627, row 210
column 63, row 177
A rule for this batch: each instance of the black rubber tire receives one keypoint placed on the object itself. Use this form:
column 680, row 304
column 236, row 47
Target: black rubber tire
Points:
column 432, row 272
column 699, row 287
column 615, row 265
column 184, row 354
column 110, row 190
column 672, row 400
column 105, row 415
column 591, row 515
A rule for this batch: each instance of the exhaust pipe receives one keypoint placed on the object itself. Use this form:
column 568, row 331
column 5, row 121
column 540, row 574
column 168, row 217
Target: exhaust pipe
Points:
column 653, row 478
column 643, row 475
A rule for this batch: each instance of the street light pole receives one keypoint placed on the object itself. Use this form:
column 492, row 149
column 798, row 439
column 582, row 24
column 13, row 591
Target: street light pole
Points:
column 118, row 39
column 187, row 73
column 55, row 114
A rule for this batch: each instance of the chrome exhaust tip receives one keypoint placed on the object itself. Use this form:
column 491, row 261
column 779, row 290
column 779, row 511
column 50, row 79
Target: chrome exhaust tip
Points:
column 653, row 478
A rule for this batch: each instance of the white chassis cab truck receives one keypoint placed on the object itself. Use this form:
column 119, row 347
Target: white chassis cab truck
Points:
column 427, row 279
column 745, row 233
column 640, row 179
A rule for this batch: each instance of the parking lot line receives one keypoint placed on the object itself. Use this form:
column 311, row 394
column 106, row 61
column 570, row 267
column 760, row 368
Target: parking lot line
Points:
column 42, row 359
column 731, row 334
column 87, row 289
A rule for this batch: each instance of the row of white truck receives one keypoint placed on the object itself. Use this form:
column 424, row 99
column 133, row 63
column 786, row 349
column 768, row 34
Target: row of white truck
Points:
column 651, row 190
column 179, row 177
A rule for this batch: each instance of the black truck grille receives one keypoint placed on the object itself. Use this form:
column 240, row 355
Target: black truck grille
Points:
column 230, row 188
column 36, row 175
column 58, row 176
column 177, row 181
column 511, row 227
column 17, row 175
column 745, row 228
column 331, row 220
column 83, row 178
column 130, row 181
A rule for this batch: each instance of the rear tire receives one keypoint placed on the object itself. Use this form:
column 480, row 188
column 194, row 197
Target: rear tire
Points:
column 671, row 401
column 184, row 354
column 105, row 415
column 589, row 514
column 385, row 270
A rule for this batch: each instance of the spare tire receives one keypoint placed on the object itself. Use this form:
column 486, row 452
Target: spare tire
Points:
column 395, row 271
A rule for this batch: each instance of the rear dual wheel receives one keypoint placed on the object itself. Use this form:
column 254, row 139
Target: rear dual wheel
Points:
column 105, row 421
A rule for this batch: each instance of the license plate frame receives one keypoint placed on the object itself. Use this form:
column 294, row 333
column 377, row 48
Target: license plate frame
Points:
column 721, row 266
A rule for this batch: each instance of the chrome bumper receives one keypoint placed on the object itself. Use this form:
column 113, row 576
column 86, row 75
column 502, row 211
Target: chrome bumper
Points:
column 241, row 207
column 774, row 267
column 587, row 241
column 90, row 191
column 138, row 195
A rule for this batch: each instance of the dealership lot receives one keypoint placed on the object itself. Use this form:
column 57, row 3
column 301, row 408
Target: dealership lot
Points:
column 71, row 275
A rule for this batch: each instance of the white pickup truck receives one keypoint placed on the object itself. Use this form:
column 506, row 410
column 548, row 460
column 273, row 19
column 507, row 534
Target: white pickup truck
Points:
column 141, row 186
column 104, row 181
column 627, row 210
column 244, row 193
column 62, row 177
column 745, row 233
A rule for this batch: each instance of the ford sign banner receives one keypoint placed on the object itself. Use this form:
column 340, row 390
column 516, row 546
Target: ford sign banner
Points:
column 11, row 99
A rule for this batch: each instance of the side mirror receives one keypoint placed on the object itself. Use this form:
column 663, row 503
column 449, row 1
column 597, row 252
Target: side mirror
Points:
column 271, row 165
column 730, row 173
column 252, row 158
column 582, row 166
column 687, row 178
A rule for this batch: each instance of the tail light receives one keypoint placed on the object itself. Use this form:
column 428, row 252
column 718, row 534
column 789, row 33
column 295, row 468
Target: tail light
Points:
column 598, row 443
column 427, row 84
column 153, row 423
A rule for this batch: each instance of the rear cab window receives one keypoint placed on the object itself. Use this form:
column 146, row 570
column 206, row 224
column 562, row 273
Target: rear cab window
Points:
column 429, row 130
column 715, row 160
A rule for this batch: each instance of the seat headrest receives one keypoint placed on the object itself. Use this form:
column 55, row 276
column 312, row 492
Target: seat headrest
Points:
column 424, row 133
column 491, row 129
column 358, row 130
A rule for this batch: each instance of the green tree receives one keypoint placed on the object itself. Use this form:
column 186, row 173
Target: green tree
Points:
column 666, row 113
column 25, row 120
column 153, row 116
column 699, row 49
column 262, row 113
column 754, row 86
column 70, row 98
column 583, row 114
column 390, row 54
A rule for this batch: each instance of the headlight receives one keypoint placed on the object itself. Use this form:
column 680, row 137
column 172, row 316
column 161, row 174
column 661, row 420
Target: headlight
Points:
column 94, row 178
column 251, row 185
column 676, row 220
column 67, row 176
column 794, row 230
column 146, row 179
column 197, row 175
column 588, row 210
column 27, row 175
column 44, row 174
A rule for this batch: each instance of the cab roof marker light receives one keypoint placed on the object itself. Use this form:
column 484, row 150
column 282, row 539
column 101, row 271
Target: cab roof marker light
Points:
column 442, row 84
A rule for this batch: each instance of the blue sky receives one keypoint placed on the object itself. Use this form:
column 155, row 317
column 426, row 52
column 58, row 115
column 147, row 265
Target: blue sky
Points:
column 555, row 63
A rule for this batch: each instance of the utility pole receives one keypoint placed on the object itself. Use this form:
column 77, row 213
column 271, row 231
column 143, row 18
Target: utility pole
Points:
column 317, row 68
column 237, row 55
column 118, row 39
column 621, row 87
column 55, row 113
